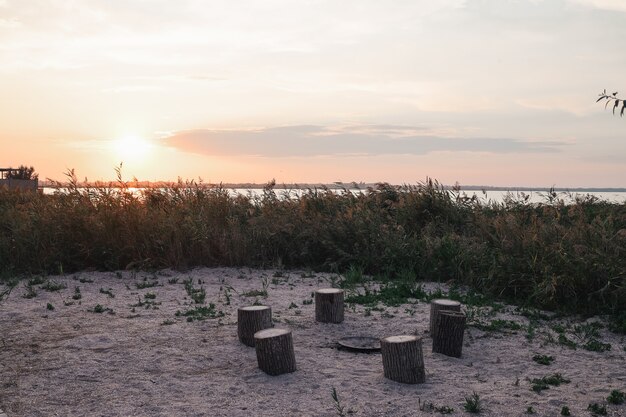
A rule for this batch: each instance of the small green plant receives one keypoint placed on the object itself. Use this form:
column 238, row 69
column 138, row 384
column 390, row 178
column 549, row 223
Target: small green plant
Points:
column 146, row 284
column 353, row 276
column 588, row 335
column 77, row 295
column 108, row 292
column 531, row 330
column 85, row 281
column 564, row 341
column 259, row 293
column 430, row 407
column 31, row 292
column 49, row 307
column 532, row 314
column 172, row 281
column 597, row 409
column 147, row 303
column 53, row 286
column 307, row 302
column 149, row 296
column 339, row 408
column 472, row 404
column 616, row 397
column 530, row 410
column 167, row 322
column 201, row 313
column 226, row 295
column 565, row 411
column 543, row 359
column 37, row 280
column 198, row 295
column 595, row 345
column 293, row 305
column 540, row 384
column 6, row 292
column 307, row 274
column 99, row 309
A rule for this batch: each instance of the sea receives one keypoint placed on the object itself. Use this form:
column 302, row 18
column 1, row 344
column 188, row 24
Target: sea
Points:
column 485, row 196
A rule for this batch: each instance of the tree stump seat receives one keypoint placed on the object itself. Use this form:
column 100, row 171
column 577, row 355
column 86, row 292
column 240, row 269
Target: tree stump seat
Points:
column 448, row 338
column 403, row 360
column 250, row 320
column 329, row 305
column 440, row 305
column 274, row 351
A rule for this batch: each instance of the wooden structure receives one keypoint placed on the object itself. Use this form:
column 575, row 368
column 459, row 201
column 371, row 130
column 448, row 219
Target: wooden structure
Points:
column 403, row 360
column 274, row 351
column 250, row 320
column 438, row 305
column 7, row 180
column 329, row 305
column 448, row 338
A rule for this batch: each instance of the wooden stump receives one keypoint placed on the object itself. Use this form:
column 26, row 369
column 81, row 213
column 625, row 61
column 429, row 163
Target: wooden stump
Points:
column 449, row 335
column 250, row 320
column 329, row 305
column 274, row 351
column 438, row 305
column 403, row 360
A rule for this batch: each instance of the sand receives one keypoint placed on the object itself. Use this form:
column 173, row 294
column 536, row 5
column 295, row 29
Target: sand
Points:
column 146, row 361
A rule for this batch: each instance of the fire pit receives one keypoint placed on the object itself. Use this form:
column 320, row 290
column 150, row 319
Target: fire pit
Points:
column 360, row 343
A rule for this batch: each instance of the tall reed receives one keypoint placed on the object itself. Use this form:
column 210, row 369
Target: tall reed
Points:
column 553, row 255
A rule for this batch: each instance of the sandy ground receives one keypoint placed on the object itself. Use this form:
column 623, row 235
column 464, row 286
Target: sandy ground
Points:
column 146, row 361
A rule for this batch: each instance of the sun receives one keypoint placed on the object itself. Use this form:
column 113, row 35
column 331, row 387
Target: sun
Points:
column 132, row 148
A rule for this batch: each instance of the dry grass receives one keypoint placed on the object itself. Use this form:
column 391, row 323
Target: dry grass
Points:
column 556, row 255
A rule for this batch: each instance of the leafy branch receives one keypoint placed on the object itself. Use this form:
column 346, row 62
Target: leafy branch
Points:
column 612, row 99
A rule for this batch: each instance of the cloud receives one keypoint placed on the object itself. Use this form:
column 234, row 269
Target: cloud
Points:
column 366, row 140
column 9, row 23
column 614, row 5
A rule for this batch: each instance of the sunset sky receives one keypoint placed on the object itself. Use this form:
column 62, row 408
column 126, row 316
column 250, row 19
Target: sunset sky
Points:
column 482, row 92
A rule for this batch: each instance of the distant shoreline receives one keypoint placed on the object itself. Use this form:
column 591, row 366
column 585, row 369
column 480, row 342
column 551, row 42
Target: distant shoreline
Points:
column 334, row 186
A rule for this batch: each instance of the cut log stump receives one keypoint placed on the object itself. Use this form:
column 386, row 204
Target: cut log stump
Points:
column 329, row 305
column 274, row 351
column 448, row 338
column 403, row 360
column 250, row 320
column 438, row 305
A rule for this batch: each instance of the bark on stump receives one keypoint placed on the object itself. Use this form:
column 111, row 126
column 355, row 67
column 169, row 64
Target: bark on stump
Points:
column 449, row 336
column 438, row 305
column 250, row 320
column 329, row 305
column 274, row 351
column 403, row 360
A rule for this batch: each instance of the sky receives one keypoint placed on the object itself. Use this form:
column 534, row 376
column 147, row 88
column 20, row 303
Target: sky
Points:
column 479, row 92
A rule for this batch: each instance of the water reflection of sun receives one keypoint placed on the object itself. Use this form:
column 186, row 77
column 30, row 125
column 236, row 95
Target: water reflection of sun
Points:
column 132, row 148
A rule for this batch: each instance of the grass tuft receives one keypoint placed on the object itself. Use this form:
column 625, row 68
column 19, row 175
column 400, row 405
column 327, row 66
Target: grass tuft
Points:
column 616, row 397
column 473, row 404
